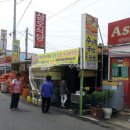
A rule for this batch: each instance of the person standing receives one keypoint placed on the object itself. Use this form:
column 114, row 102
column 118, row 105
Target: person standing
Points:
column 46, row 93
column 63, row 92
column 16, row 91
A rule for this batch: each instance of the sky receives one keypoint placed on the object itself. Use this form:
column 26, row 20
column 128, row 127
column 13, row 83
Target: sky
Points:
column 63, row 25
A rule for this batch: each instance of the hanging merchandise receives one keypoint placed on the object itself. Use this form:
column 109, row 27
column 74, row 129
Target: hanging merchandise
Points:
column 4, row 86
column 33, row 100
column 29, row 99
column 39, row 102
column 25, row 92
column 36, row 101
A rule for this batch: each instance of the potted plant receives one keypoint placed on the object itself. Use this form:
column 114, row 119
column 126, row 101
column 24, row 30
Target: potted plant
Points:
column 96, row 100
column 107, row 108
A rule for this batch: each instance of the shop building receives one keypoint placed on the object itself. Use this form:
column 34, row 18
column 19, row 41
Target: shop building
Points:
column 66, row 64
column 119, row 55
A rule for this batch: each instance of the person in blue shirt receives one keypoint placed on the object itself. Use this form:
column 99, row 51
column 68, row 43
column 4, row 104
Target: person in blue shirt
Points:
column 46, row 93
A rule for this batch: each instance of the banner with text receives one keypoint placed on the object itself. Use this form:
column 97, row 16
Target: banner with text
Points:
column 119, row 32
column 16, row 51
column 39, row 30
column 89, row 42
column 3, row 41
column 56, row 58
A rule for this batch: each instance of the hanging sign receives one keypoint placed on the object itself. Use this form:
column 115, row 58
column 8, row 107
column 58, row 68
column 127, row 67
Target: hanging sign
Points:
column 16, row 51
column 3, row 41
column 89, row 42
column 39, row 30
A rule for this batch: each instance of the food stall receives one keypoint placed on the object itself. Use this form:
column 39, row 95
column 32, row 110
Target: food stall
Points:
column 57, row 64
column 61, row 64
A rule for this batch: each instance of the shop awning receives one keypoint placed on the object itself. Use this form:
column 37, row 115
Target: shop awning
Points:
column 120, row 51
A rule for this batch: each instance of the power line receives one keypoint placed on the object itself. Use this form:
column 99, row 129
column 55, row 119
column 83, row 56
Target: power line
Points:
column 51, row 47
column 73, row 4
column 64, row 9
column 56, row 13
column 64, row 31
column 4, row 0
column 24, row 35
column 24, row 12
column 91, row 4
column 20, row 1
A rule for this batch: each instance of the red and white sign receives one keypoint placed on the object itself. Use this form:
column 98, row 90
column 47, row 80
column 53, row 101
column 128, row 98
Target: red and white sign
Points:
column 40, row 30
column 119, row 32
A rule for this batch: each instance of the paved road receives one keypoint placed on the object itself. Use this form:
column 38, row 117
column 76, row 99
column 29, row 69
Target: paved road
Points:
column 31, row 118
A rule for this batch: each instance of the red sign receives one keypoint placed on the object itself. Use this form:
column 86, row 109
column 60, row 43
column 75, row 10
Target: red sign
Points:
column 40, row 30
column 119, row 32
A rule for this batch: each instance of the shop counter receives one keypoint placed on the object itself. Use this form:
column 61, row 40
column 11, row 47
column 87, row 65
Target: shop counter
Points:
column 75, row 99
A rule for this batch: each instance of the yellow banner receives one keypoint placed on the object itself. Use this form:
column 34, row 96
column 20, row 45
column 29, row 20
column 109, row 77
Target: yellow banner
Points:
column 16, row 51
column 91, row 47
column 56, row 58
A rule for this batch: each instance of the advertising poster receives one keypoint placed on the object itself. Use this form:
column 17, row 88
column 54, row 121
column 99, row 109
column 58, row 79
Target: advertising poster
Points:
column 16, row 51
column 56, row 58
column 89, row 42
column 120, row 69
column 3, row 41
column 39, row 30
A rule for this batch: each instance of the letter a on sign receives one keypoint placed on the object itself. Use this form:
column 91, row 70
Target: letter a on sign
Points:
column 119, row 32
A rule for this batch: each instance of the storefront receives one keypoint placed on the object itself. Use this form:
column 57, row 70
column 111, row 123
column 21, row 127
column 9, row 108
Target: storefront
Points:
column 62, row 64
column 56, row 64
column 119, row 55
column 9, row 69
column 5, row 63
column 119, row 70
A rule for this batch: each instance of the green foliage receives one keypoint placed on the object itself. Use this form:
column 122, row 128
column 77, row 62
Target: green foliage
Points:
column 108, row 95
column 99, row 99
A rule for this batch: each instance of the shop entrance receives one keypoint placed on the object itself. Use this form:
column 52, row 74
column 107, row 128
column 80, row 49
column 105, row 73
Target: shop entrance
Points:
column 120, row 72
column 71, row 75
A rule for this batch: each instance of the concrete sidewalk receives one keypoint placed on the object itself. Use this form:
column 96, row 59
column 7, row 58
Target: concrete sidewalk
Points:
column 121, row 119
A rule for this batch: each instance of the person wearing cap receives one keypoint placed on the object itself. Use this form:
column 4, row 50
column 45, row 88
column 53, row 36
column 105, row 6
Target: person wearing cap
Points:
column 15, row 91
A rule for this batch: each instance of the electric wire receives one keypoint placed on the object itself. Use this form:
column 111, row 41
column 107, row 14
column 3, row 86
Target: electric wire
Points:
column 52, row 48
column 48, row 43
column 57, row 14
column 67, row 8
column 4, row 0
column 91, row 4
column 64, row 9
column 24, row 12
column 95, row 2
column 20, row 2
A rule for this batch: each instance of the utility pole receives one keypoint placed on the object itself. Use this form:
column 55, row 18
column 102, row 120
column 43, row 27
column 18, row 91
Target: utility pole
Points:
column 14, row 23
column 102, row 55
column 26, row 47
column 14, row 28
column 26, row 44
